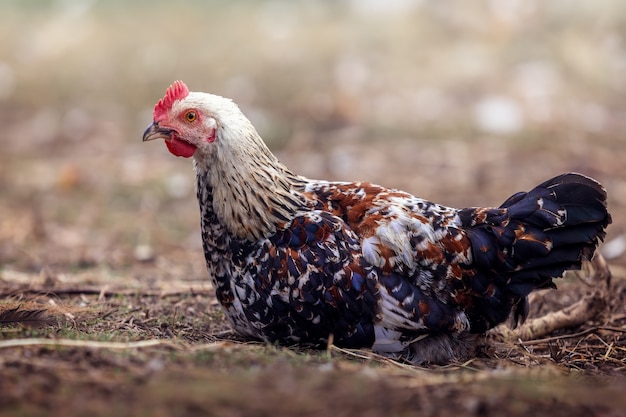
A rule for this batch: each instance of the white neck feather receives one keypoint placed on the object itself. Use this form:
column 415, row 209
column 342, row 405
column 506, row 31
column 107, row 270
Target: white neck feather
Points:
column 253, row 193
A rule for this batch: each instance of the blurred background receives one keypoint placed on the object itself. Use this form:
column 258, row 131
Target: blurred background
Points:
column 463, row 103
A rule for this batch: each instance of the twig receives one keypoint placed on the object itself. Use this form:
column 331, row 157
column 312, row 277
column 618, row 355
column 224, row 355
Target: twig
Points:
column 587, row 308
column 215, row 345
column 330, row 345
column 101, row 291
column 85, row 343
column 353, row 352
column 555, row 338
column 569, row 317
column 26, row 317
column 612, row 329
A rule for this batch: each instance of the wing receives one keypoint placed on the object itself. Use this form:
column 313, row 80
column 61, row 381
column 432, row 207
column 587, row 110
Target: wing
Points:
column 427, row 281
column 424, row 259
column 306, row 282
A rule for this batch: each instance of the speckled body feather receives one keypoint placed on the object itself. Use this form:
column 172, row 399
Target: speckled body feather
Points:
column 295, row 260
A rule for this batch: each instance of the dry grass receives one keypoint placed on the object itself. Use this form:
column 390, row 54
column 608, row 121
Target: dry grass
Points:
column 165, row 352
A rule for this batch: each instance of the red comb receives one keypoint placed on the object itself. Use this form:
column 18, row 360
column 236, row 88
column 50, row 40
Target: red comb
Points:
column 176, row 91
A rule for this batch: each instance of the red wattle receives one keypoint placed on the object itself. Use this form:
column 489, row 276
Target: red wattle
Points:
column 180, row 147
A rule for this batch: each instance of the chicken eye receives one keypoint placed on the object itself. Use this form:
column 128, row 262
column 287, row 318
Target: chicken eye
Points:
column 191, row 116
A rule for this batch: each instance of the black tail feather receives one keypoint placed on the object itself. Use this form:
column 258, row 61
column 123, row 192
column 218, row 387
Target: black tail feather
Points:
column 541, row 234
column 572, row 210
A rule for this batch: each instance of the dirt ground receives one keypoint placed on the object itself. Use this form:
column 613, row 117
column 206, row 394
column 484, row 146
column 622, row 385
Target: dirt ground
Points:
column 105, row 303
column 148, row 340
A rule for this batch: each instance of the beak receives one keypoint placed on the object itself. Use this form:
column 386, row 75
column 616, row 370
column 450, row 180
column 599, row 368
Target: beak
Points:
column 155, row 132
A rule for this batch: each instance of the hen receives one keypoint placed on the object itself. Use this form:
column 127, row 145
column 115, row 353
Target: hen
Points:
column 296, row 260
